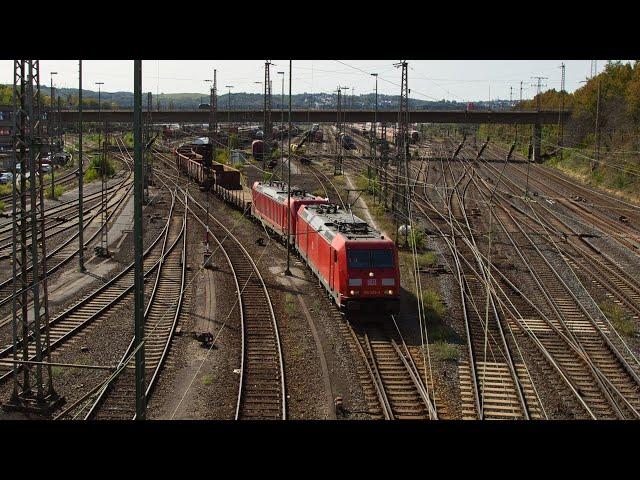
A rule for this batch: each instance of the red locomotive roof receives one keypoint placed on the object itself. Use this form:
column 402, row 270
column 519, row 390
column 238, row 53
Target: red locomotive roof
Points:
column 278, row 191
column 332, row 220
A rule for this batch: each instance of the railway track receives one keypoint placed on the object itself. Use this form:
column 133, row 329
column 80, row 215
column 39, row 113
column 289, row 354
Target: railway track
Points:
column 63, row 253
column 94, row 307
column 116, row 400
column 261, row 391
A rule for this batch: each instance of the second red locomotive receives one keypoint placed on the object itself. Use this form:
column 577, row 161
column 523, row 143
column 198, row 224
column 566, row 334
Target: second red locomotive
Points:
column 355, row 263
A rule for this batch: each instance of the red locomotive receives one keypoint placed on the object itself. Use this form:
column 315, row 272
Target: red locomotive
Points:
column 354, row 262
column 269, row 205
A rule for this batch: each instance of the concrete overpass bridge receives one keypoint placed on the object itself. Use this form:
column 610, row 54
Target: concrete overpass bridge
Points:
column 326, row 116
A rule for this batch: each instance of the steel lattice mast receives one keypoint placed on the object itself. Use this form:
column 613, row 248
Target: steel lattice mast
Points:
column 401, row 203
column 30, row 320
column 267, row 130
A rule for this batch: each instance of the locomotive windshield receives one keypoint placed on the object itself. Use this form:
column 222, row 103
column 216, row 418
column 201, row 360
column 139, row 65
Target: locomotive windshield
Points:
column 370, row 258
column 358, row 258
column 381, row 258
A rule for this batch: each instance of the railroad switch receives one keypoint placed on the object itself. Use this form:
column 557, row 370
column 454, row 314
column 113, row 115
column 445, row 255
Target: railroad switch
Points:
column 260, row 242
column 339, row 407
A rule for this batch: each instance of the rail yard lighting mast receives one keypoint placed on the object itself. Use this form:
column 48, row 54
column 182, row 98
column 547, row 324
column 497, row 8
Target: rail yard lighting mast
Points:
column 229, row 119
column 52, row 137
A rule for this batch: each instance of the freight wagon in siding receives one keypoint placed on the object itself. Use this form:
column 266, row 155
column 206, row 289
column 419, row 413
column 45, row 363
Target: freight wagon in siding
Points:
column 192, row 165
column 355, row 263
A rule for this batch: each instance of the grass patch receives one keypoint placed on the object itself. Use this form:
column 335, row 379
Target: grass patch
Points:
column 1, row 205
column 56, row 371
column 444, row 351
column 289, row 306
column 427, row 259
column 623, row 324
column 207, row 379
column 6, row 189
column 433, row 307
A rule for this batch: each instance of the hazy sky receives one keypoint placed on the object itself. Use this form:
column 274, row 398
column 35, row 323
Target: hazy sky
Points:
column 428, row 79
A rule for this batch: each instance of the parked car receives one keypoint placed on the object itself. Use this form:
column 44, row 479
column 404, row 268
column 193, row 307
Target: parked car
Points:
column 5, row 178
column 46, row 168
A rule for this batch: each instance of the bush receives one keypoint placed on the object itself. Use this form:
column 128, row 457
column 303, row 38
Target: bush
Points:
column 58, row 190
column 222, row 156
column 94, row 169
column 417, row 239
column 234, row 141
column 622, row 323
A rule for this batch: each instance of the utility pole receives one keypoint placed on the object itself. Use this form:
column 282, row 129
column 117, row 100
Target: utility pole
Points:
column 80, row 175
column 282, row 119
column 103, row 250
column 384, row 163
column 337, row 167
column 288, row 270
column 520, row 104
column 267, row 113
column 29, row 334
column 537, row 128
column 402, row 202
column 51, row 135
column 207, row 168
column 596, row 164
column 137, row 227
column 372, row 137
column 561, row 117
column 594, row 68
column 147, row 152
column 229, row 119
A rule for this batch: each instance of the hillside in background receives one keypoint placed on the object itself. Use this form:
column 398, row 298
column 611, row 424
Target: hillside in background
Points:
column 248, row 101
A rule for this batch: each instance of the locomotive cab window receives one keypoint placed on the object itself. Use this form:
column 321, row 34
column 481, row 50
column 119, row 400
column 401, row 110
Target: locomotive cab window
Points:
column 358, row 258
column 382, row 259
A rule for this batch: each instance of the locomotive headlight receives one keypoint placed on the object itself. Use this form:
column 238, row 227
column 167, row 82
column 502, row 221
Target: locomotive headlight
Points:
column 371, row 274
column 389, row 292
column 352, row 292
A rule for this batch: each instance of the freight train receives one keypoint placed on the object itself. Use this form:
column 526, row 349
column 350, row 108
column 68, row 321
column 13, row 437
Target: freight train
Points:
column 355, row 263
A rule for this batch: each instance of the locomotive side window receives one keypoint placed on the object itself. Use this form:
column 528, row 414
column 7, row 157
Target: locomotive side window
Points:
column 382, row 259
column 358, row 258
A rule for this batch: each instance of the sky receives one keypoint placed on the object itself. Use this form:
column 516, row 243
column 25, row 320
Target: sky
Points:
column 460, row 80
